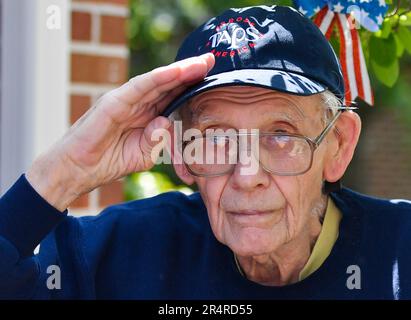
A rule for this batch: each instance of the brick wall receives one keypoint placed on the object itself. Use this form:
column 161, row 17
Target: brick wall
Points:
column 382, row 161
column 99, row 62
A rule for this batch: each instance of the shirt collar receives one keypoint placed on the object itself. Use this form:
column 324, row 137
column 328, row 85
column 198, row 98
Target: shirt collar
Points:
column 326, row 240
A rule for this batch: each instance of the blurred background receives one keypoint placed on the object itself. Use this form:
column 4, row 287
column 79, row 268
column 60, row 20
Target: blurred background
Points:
column 58, row 57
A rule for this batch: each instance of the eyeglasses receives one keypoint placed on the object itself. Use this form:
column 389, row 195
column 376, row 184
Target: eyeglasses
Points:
column 281, row 154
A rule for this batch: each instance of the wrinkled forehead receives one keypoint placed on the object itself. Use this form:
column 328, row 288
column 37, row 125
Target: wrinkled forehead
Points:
column 276, row 105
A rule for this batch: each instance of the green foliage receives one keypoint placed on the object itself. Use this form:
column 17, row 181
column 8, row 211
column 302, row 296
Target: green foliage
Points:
column 404, row 35
column 399, row 46
column 386, row 47
column 148, row 184
column 405, row 20
column 384, row 59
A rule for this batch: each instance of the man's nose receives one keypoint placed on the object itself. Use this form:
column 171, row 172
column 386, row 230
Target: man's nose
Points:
column 249, row 180
column 248, row 173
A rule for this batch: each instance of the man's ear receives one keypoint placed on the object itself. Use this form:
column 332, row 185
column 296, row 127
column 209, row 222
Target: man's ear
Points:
column 177, row 159
column 346, row 138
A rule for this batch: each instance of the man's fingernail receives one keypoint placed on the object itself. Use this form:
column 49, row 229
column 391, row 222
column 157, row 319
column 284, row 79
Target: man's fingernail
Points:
column 164, row 123
column 205, row 55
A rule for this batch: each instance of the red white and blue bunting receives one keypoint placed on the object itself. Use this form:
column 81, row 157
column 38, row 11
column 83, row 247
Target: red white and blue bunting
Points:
column 348, row 16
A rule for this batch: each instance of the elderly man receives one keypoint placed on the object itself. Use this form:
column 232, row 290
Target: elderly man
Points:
column 259, row 84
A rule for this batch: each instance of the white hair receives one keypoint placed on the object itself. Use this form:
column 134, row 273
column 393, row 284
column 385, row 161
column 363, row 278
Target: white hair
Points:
column 331, row 104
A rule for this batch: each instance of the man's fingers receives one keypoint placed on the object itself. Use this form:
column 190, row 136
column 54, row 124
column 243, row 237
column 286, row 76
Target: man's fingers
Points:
column 164, row 100
column 165, row 78
column 191, row 73
column 153, row 139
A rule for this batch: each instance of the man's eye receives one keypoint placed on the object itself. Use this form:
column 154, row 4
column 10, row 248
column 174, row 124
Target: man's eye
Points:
column 276, row 142
column 217, row 140
column 280, row 131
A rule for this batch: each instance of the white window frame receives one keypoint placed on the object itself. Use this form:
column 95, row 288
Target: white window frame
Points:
column 34, row 78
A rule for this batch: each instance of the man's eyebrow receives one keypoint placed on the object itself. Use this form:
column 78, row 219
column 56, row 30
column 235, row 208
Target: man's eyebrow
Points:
column 290, row 109
column 197, row 114
column 284, row 116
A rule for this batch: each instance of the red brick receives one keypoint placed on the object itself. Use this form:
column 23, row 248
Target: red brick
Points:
column 111, row 193
column 78, row 106
column 113, row 30
column 98, row 69
column 80, row 26
column 81, row 202
column 383, row 158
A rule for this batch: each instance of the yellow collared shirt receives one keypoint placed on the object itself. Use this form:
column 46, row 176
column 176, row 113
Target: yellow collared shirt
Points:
column 325, row 241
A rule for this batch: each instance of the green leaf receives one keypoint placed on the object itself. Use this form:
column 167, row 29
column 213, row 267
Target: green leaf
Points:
column 384, row 61
column 383, row 51
column 405, row 36
column 385, row 30
column 386, row 74
column 400, row 46
column 405, row 20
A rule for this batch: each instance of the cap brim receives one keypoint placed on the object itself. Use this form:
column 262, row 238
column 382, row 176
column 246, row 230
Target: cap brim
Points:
column 279, row 80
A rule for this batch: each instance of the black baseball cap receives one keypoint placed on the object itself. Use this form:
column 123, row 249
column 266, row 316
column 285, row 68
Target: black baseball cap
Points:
column 274, row 47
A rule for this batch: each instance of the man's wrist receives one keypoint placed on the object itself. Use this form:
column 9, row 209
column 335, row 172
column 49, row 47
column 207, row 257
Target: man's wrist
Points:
column 53, row 182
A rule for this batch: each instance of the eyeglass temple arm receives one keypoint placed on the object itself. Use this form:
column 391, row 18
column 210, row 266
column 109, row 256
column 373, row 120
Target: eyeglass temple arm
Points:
column 322, row 135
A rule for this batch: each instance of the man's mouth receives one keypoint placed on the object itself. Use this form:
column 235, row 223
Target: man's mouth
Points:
column 251, row 212
column 253, row 217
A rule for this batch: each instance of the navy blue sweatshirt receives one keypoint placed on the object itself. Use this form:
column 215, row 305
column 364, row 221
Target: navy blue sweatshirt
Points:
column 164, row 248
